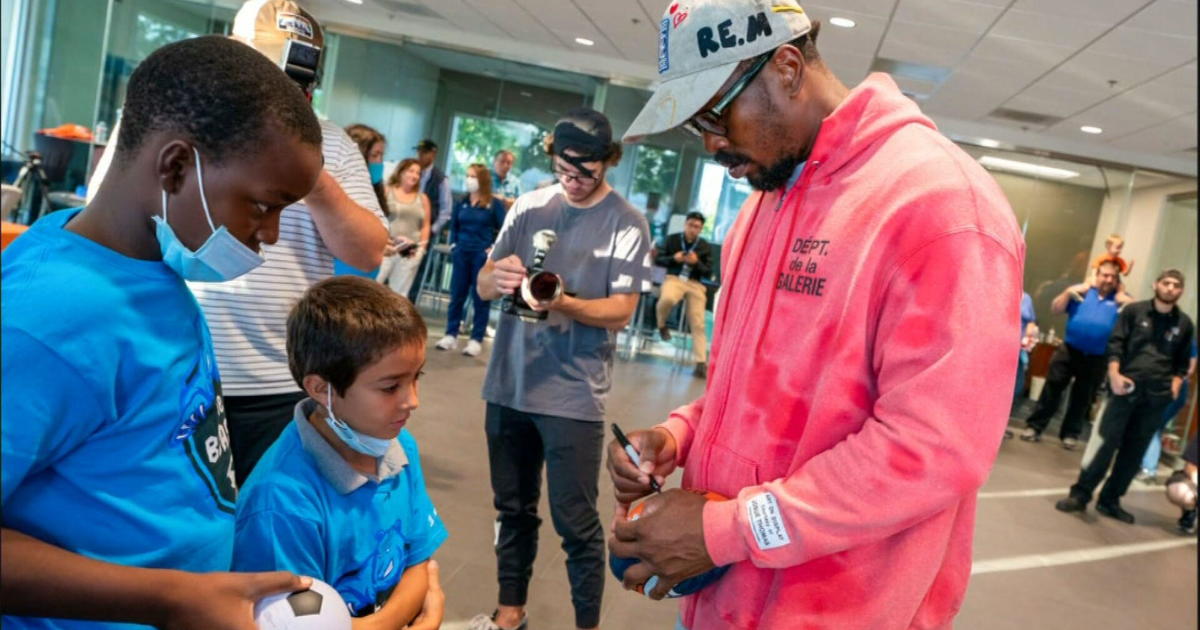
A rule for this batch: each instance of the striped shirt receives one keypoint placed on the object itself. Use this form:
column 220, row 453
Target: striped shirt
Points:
column 248, row 315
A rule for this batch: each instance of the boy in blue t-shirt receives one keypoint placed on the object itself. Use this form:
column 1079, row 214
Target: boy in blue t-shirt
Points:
column 118, row 492
column 340, row 495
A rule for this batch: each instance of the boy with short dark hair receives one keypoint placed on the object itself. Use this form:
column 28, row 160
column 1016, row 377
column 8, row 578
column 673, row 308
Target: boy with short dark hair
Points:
column 340, row 495
column 118, row 490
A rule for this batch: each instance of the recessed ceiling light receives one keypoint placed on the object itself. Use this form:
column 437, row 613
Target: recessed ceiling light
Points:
column 1025, row 168
column 584, row 41
column 842, row 22
column 1090, row 129
column 989, row 143
column 354, row 1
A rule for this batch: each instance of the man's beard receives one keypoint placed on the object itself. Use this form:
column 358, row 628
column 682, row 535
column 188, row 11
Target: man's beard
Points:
column 768, row 179
column 1166, row 300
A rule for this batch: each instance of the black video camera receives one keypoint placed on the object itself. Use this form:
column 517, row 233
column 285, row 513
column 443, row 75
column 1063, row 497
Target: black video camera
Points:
column 301, row 62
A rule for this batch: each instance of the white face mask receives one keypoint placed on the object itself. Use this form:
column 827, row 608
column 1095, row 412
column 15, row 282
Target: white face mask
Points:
column 222, row 257
column 360, row 442
column 472, row 185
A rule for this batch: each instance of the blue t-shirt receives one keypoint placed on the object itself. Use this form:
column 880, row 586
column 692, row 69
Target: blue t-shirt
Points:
column 1027, row 313
column 1090, row 322
column 114, row 438
column 474, row 228
column 304, row 510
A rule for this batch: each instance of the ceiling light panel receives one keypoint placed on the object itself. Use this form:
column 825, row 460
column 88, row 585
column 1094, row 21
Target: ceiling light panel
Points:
column 1026, row 168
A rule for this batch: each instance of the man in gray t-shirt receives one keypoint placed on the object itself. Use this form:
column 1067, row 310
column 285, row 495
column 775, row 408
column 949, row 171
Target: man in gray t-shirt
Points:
column 562, row 366
column 548, row 379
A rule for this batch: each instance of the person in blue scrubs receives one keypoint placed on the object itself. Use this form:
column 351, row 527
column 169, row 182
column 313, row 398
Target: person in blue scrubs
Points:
column 474, row 224
column 340, row 496
column 118, row 486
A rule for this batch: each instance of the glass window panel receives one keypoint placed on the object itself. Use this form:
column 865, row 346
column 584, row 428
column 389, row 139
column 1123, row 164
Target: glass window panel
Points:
column 655, row 173
column 477, row 139
column 718, row 197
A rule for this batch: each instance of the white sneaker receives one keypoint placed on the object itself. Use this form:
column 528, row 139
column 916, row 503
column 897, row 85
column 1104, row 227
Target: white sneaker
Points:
column 449, row 342
column 490, row 333
column 487, row 622
column 473, row 348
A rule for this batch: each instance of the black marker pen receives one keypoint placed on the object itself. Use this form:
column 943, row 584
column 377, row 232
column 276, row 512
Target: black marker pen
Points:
column 633, row 455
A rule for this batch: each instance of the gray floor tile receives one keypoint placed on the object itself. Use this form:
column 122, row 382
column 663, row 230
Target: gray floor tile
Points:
column 1147, row 590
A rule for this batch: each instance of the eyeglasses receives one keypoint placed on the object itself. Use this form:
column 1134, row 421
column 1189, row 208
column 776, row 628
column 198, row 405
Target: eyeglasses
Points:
column 565, row 177
column 709, row 121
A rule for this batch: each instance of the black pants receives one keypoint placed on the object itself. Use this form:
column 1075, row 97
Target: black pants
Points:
column 518, row 444
column 1088, row 372
column 254, row 424
column 1128, row 425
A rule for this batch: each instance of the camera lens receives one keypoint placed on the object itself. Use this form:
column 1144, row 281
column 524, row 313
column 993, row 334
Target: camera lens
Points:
column 543, row 286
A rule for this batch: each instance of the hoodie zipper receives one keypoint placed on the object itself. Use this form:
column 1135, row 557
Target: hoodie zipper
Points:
column 774, row 218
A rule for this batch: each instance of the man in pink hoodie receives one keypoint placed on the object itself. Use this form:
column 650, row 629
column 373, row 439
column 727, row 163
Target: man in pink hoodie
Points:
column 862, row 362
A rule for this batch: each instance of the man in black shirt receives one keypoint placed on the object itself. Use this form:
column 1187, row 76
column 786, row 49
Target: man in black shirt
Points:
column 1148, row 355
column 688, row 259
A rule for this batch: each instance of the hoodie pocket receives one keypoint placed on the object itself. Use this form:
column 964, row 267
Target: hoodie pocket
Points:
column 729, row 472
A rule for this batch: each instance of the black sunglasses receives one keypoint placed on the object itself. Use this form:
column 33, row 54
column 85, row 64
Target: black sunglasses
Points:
column 709, row 121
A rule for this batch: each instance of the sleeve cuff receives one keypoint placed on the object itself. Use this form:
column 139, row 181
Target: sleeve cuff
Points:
column 682, row 432
column 722, row 533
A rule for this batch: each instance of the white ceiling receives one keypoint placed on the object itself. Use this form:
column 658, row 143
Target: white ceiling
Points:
column 1127, row 66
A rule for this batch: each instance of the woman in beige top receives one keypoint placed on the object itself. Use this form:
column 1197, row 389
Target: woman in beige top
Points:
column 409, row 220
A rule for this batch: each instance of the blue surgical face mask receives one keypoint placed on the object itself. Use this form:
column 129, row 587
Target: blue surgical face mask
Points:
column 376, row 169
column 222, row 257
column 362, row 443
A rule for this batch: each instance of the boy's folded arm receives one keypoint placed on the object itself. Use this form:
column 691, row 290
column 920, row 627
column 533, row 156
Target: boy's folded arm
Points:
column 403, row 605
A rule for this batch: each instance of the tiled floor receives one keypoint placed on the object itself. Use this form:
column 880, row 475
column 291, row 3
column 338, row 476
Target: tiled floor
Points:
column 1148, row 589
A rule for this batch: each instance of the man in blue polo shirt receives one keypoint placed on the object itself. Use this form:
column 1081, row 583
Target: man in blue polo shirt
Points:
column 1090, row 319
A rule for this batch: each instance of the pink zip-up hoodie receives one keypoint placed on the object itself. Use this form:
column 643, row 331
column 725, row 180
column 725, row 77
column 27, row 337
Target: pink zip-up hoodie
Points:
column 861, row 374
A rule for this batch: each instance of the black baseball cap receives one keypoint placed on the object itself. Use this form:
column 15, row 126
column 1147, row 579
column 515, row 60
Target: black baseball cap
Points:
column 426, row 145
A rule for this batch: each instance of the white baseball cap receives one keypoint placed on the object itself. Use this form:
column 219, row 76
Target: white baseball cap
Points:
column 269, row 25
column 700, row 44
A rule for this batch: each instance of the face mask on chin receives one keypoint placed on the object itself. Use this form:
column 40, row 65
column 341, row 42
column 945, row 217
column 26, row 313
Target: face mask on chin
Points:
column 221, row 258
column 358, row 442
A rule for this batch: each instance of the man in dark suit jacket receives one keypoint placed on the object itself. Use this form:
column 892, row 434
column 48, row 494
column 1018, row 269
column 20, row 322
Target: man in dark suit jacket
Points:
column 688, row 259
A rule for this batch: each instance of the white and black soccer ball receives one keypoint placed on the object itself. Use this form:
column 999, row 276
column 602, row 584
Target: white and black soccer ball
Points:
column 318, row 608
column 1181, row 490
